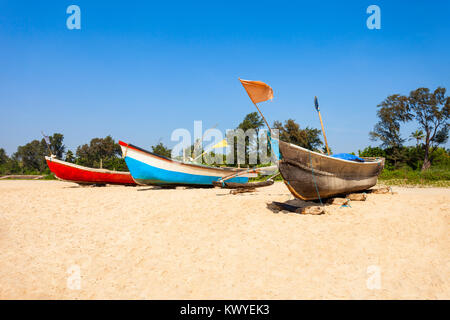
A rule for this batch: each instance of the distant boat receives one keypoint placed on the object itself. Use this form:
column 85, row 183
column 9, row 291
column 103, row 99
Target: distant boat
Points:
column 83, row 175
column 310, row 175
column 148, row 168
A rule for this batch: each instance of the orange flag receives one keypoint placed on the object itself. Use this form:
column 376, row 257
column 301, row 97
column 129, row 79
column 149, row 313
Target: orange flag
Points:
column 258, row 91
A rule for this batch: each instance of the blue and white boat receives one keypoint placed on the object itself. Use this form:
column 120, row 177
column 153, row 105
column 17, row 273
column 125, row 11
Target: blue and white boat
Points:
column 148, row 168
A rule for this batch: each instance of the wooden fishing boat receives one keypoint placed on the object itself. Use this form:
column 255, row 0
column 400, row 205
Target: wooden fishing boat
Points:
column 148, row 168
column 310, row 175
column 83, row 175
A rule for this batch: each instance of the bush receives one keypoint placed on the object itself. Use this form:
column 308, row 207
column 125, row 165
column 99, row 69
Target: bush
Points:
column 405, row 175
column 49, row 177
column 399, row 157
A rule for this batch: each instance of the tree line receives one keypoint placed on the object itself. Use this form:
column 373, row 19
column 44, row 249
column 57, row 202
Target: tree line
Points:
column 254, row 142
column 30, row 158
column 106, row 153
column 429, row 110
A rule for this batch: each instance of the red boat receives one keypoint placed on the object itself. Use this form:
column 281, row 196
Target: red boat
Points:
column 83, row 175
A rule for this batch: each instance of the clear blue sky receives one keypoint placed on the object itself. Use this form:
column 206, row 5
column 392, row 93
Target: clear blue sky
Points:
column 140, row 69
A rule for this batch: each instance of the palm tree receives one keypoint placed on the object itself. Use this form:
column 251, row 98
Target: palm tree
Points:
column 69, row 156
column 418, row 135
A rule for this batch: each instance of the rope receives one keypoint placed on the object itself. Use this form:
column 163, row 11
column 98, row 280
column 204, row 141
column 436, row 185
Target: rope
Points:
column 314, row 178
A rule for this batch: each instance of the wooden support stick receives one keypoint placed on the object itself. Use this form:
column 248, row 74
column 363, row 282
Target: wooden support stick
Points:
column 316, row 104
column 267, row 124
column 324, row 136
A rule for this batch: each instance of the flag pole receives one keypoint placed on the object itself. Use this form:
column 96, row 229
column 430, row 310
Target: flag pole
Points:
column 262, row 93
column 267, row 124
column 316, row 103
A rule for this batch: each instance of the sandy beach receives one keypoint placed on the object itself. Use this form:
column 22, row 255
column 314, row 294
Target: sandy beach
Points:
column 62, row 241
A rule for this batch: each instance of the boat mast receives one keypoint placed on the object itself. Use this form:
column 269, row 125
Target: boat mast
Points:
column 316, row 103
column 267, row 124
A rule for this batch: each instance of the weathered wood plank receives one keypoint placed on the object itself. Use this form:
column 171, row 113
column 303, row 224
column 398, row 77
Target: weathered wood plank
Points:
column 338, row 201
column 383, row 190
column 357, row 196
column 234, row 185
column 242, row 190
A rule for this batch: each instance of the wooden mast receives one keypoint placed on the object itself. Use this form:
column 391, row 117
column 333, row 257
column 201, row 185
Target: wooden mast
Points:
column 316, row 103
column 267, row 124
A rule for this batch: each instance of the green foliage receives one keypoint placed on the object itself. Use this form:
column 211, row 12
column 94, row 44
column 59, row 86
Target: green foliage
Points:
column 3, row 156
column 411, row 157
column 4, row 160
column 115, row 163
column 402, row 165
column 393, row 111
column 30, row 157
column 252, row 121
column 418, row 136
column 10, row 167
column 372, row 152
column 56, row 145
column 441, row 159
column 161, row 150
column 104, row 151
column 431, row 110
column 308, row 138
column 406, row 176
column 70, row 156
column 324, row 150
column 251, row 126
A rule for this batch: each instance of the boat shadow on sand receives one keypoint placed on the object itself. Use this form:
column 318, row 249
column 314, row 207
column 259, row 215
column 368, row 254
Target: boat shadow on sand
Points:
column 95, row 185
column 78, row 186
column 173, row 188
column 318, row 206
column 293, row 205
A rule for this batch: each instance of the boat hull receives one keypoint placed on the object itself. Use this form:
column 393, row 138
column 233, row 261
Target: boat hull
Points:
column 83, row 175
column 310, row 175
column 148, row 168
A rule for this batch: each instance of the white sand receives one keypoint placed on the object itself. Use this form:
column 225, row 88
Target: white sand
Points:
column 207, row 244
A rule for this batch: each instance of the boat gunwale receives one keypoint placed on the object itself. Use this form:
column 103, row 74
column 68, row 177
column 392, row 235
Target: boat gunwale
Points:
column 76, row 166
column 380, row 160
column 200, row 166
